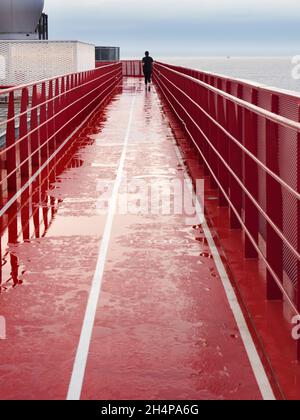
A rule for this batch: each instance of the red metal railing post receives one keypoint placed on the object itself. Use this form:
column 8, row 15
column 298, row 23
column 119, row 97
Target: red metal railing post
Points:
column 63, row 116
column 43, row 121
column 68, row 112
column 213, row 138
column 23, row 134
column 222, row 172
column 235, row 163
column 205, row 123
column 251, row 179
column 50, row 112
column 274, row 207
column 57, row 119
column 34, row 136
column 298, row 230
column 11, row 160
column 77, row 92
column 228, row 86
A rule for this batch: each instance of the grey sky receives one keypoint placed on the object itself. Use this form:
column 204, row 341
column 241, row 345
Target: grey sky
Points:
column 185, row 27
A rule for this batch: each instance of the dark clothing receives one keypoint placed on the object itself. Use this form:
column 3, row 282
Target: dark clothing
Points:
column 148, row 64
column 147, row 75
column 147, row 68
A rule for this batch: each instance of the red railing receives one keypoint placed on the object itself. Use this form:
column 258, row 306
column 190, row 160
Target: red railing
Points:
column 41, row 116
column 132, row 68
column 253, row 157
column 278, row 101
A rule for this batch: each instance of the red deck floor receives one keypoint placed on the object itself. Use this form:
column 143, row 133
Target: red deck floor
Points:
column 138, row 298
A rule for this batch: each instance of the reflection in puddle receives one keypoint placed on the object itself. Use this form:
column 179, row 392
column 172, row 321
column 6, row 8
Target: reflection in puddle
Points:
column 27, row 219
column 202, row 240
column 30, row 217
column 206, row 255
column 76, row 163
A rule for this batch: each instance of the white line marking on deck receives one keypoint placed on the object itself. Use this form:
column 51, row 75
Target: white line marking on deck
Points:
column 255, row 361
column 78, row 373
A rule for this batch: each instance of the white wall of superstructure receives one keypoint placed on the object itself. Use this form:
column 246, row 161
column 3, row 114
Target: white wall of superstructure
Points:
column 27, row 61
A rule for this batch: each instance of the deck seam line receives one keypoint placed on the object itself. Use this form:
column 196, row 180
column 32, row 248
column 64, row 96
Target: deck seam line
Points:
column 80, row 363
column 253, row 356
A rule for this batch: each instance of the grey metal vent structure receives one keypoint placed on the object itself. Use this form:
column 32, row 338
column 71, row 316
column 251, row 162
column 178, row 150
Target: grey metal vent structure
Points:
column 107, row 54
column 19, row 19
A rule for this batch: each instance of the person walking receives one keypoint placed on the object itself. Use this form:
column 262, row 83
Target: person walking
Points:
column 148, row 68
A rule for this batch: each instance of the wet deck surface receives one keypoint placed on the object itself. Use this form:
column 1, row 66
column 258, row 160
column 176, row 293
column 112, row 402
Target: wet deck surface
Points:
column 163, row 326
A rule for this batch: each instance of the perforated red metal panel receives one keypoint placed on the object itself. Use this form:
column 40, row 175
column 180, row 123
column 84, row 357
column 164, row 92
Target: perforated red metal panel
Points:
column 252, row 153
column 41, row 115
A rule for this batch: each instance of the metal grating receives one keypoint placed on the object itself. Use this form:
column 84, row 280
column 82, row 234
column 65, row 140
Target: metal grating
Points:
column 23, row 62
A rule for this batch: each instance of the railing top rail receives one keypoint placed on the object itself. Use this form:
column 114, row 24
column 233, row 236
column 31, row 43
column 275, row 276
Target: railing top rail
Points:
column 245, row 82
column 38, row 82
column 278, row 119
column 46, row 102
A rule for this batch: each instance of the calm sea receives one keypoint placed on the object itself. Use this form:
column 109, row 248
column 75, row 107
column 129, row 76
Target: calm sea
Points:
column 272, row 71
